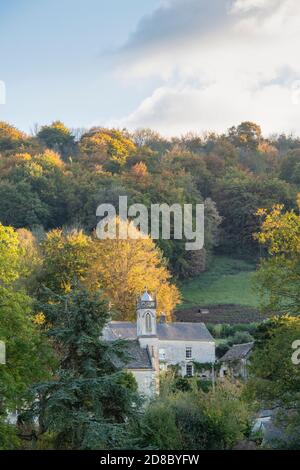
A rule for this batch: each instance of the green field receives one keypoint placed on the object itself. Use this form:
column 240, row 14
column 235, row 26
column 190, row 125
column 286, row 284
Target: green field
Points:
column 228, row 281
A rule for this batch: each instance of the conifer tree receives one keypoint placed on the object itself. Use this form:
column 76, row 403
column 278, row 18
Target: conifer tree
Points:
column 90, row 400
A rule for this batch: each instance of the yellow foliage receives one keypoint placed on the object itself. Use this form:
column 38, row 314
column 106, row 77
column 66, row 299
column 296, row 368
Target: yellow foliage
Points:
column 121, row 268
column 105, row 145
column 10, row 135
column 22, row 157
column 280, row 231
column 125, row 267
column 50, row 159
column 39, row 318
column 67, row 258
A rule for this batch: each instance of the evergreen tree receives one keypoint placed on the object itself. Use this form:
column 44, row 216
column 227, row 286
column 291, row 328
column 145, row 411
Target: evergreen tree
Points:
column 90, row 400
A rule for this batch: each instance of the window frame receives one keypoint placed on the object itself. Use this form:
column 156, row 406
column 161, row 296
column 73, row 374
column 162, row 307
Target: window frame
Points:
column 191, row 367
column 148, row 324
column 188, row 352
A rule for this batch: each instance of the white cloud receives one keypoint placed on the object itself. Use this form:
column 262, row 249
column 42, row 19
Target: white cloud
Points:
column 219, row 62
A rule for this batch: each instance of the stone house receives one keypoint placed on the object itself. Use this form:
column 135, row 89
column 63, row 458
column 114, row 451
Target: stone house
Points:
column 154, row 345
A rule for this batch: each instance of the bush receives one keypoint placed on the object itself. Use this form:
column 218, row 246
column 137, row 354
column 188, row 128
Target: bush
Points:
column 240, row 337
column 193, row 420
column 222, row 349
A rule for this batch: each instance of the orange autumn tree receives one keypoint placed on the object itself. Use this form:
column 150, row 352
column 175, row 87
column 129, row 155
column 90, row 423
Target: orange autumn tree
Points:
column 139, row 170
column 121, row 268
column 125, row 267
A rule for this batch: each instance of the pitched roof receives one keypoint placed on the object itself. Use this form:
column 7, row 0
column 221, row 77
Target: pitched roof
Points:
column 236, row 352
column 165, row 331
column 133, row 357
column 119, row 330
column 183, row 331
column 138, row 358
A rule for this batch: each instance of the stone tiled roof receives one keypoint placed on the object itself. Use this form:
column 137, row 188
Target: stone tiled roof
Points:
column 183, row 331
column 165, row 331
column 133, row 357
column 236, row 352
column 119, row 330
column 138, row 358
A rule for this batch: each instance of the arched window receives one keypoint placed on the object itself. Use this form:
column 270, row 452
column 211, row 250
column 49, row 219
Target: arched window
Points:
column 148, row 322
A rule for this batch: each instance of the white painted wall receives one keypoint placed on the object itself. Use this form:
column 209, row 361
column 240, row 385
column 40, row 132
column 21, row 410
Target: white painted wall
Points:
column 202, row 351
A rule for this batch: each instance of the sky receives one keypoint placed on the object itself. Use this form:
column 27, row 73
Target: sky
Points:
column 171, row 65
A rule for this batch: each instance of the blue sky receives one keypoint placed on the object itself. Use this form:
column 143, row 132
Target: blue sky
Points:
column 57, row 59
column 172, row 65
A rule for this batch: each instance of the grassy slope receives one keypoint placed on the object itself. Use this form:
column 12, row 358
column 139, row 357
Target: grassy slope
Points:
column 228, row 281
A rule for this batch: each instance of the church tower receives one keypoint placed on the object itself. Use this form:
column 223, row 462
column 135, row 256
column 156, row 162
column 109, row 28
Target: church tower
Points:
column 146, row 316
column 147, row 332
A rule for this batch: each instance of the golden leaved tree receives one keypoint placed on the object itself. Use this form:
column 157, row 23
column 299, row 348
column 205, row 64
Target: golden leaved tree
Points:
column 121, row 268
column 125, row 267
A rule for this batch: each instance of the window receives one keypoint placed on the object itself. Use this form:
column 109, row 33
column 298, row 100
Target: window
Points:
column 189, row 370
column 148, row 323
column 162, row 354
column 188, row 352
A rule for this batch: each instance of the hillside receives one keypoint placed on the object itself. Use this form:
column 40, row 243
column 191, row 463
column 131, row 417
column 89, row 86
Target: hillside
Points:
column 226, row 289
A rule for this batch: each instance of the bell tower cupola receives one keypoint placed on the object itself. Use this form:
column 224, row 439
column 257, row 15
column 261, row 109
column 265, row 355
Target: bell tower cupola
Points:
column 146, row 315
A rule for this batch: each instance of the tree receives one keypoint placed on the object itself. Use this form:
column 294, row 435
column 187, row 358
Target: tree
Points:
column 139, row 170
column 125, row 267
column 30, row 260
column 10, row 137
column 67, row 259
column 10, row 254
column 246, row 135
column 20, row 207
column 275, row 378
column 88, row 402
column 58, row 138
column 151, row 139
column 193, row 420
column 27, row 356
column 238, row 197
column 107, row 147
column 48, row 179
column 122, row 268
column 278, row 277
column 290, row 167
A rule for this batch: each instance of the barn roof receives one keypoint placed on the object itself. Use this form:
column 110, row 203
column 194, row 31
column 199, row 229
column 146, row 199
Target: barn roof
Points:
column 236, row 352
